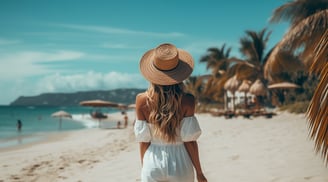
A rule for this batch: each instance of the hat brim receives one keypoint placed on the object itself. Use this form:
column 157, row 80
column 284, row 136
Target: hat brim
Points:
column 160, row 77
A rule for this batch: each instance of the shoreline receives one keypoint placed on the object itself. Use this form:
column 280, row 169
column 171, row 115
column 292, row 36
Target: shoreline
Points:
column 37, row 138
column 21, row 139
column 233, row 150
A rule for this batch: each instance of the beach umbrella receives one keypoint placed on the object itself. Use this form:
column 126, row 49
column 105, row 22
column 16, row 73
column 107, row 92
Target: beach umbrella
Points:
column 283, row 85
column 281, row 89
column 60, row 115
column 132, row 106
column 98, row 103
column 122, row 106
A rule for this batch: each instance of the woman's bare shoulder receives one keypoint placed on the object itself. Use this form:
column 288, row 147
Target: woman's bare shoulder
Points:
column 188, row 104
column 188, row 99
column 141, row 97
column 141, row 106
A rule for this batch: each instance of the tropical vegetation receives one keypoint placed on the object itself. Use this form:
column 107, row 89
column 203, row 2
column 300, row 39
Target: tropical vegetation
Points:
column 300, row 57
column 307, row 38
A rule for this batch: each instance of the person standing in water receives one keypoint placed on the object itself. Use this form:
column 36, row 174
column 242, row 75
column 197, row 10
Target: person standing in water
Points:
column 19, row 125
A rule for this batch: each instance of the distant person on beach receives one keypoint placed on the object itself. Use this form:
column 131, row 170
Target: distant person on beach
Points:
column 19, row 125
column 118, row 125
column 126, row 119
column 166, row 127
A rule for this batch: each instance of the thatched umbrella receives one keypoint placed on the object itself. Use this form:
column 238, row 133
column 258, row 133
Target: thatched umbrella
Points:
column 244, row 87
column 232, row 85
column 122, row 107
column 258, row 89
column 132, row 106
column 60, row 115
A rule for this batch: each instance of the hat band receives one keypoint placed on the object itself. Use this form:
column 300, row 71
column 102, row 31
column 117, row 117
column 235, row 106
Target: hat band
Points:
column 166, row 63
column 166, row 69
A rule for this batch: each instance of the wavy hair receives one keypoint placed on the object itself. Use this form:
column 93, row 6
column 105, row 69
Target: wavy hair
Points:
column 165, row 109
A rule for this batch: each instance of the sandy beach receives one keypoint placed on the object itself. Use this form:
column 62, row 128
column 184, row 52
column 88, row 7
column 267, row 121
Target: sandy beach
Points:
column 231, row 150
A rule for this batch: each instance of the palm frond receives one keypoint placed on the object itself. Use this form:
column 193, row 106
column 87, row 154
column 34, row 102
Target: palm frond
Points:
column 306, row 32
column 253, row 45
column 308, row 36
column 284, row 62
column 296, row 11
column 215, row 58
column 317, row 111
column 321, row 54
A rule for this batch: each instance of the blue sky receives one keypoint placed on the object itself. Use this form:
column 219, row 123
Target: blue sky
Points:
column 79, row 45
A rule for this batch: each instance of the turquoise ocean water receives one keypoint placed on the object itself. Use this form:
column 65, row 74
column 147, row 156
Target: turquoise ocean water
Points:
column 37, row 122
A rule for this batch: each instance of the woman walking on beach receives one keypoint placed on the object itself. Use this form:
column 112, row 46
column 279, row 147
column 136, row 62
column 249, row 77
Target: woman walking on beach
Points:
column 166, row 127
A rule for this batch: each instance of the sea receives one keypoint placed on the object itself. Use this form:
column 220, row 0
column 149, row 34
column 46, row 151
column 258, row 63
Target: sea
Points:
column 38, row 122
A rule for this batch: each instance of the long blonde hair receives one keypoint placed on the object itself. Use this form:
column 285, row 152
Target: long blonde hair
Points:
column 164, row 103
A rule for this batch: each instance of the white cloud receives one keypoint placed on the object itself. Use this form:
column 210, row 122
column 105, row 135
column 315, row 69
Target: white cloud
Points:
column 69, row 83
column 113, row 30
column 90, row 81
column 22, row 64
column 8, row 42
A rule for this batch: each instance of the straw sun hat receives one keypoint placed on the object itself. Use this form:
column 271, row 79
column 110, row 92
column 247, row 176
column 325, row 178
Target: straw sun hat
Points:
column 166, row 65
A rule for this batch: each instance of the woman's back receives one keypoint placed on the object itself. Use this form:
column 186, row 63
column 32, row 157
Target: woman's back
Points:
column 143, row 110
column 164, row 160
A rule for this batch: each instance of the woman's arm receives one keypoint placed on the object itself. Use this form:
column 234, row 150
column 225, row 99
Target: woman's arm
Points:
column 192, row 149
column 192, row 146
column 140, row 103
column 143, row 146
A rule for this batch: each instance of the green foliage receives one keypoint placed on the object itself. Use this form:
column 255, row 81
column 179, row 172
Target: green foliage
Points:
column 308, row 85
column 297, row 107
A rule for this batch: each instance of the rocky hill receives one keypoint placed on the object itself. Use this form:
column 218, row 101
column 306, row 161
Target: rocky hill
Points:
column 125, row 96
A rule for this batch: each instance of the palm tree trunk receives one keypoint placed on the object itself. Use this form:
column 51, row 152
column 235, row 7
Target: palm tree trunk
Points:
column 233, row 101
column 245, row 99
column 225, row 100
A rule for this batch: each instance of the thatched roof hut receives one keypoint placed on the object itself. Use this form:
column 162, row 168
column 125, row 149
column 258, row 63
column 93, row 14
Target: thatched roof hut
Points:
column 258, row 88
column 232, row 84
column 245, row 86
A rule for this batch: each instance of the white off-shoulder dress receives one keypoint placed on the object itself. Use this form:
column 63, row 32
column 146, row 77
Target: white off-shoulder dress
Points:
column 167, row 162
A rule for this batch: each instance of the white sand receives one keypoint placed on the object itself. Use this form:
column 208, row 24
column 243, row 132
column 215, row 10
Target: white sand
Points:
column 231, row 150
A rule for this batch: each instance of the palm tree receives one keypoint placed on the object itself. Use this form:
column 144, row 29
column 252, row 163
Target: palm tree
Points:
column 216, row 59
column 193, row 85
column 224, row 67
column 253, row 46
column 196, row 85
column 307, row 38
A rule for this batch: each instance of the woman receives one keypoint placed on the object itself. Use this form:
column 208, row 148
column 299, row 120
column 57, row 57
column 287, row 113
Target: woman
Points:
column 166, row 127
